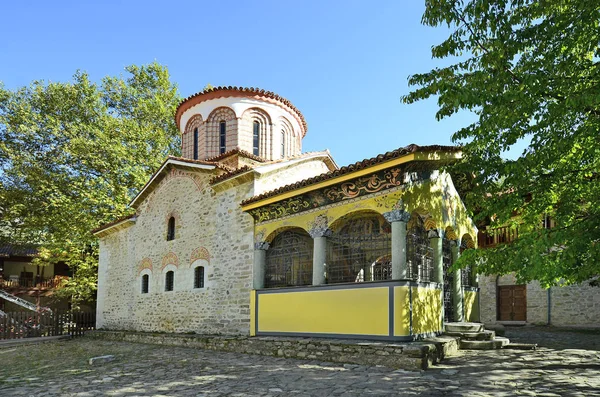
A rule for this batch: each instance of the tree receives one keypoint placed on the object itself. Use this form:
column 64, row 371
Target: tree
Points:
column 73, row 154
column 529, row 70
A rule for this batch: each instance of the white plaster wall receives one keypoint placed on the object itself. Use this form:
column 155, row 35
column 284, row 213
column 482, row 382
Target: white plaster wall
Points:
column 277, row 175
column 239, row 106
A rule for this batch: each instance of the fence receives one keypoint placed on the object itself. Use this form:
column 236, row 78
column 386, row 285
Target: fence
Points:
column 18, row 325
column 32, row 282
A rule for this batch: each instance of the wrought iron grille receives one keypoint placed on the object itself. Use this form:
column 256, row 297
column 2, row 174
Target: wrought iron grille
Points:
column 448, row 280
column 289, row 260
column 419, row 254
column 466, row 272
column 360, row 251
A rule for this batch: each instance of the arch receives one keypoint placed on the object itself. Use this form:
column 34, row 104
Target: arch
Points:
column 338, row 222
column 194, row 137
column 359, row 248
column 289, row 259
column 287, row 132
column 450, row 233
column 145, row 264
column 250, row 118
column 419, row 254
column 169, row 259
column 280, row 230
column 213, row 129
column 199, row 253
column 467, row 241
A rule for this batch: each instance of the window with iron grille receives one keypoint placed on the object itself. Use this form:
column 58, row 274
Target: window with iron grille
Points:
column 199, row 277
column 448, row 280
column 171, row 229
column 466, row 273
column 169, row 280
column 255, row 138
column 419, row 254
column 360, row 250
column 196, row 143
column 145, row 283
column 289, row 260
column 222, row 136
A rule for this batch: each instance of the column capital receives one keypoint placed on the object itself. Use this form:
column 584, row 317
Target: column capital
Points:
column 261, row 245
column 398, row 215
column 320, row 231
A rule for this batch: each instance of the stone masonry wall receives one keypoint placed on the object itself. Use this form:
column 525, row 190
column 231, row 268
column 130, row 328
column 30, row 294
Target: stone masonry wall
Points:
column 211, row 231
column 576, row 305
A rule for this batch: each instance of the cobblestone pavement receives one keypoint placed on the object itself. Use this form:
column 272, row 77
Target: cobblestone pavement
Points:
column 568, row 366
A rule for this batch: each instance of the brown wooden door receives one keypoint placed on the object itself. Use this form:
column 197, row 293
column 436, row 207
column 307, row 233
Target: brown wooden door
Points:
column 512, row 303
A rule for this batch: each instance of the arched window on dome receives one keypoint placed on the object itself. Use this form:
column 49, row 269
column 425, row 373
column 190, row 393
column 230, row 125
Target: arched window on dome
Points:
column 256, row 138
column 171, row 229
column 282, row 143
column 196, row 143
column 222, row 136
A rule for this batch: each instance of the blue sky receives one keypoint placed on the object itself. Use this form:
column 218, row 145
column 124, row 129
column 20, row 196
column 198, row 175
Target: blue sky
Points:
column 344, row 64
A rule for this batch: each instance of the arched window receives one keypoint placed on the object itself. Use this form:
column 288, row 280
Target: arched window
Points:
column 196, row 143
column 199, row 277
column 171, row 229
column 289, row 260
column 256, row 138
column 222, row 136
column 360, row 250
column 169, row 280
column 282, row 143
column 145, row 283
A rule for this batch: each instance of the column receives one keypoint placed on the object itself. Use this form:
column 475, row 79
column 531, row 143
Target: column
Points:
column 457, row 293
column 435, row 241
column 260, row 262
column 398, row 218
column 319, row 235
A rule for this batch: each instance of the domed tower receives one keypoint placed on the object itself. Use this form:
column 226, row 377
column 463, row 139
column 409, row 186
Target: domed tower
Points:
column 225, row 119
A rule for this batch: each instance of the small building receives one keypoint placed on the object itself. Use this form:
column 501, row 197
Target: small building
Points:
column 245, row 234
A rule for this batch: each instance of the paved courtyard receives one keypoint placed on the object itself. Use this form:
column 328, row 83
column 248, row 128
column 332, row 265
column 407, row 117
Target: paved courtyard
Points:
column 567, row 364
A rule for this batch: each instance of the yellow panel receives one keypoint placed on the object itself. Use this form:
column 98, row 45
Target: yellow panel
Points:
column 252, row 313
column 358, row 311
column 427, row 310
column 471, row 306
column 401, row 311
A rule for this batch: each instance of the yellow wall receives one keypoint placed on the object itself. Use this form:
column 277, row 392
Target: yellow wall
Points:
column 427, row 310
column 252, row 313
column 356, row 311
column 401, row 311
column 471, row 302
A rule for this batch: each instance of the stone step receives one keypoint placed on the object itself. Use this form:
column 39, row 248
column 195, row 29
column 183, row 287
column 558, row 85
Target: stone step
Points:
column 496, row 343
column 521, row 346
column 463, row 327
column 485, row 335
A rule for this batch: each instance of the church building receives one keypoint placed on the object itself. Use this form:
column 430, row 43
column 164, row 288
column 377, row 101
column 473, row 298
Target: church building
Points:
column 247, row 235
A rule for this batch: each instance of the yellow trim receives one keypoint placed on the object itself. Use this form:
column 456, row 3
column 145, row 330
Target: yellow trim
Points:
column 252, row 313
column 429, row 156
column 329, row 182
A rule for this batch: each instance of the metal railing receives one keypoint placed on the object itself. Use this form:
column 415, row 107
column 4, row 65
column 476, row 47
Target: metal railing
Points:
column 17, row 325
column 32, row 282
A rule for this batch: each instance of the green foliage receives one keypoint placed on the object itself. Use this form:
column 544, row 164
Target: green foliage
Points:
column 73, row 154
column 530, row 71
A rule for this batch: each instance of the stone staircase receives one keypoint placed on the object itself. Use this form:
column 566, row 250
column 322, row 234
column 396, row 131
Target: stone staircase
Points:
column 474, row 336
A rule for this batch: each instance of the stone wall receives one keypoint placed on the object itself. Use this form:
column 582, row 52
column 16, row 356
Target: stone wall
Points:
column 211, row 231
column 411, row 356
column 576, row 305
